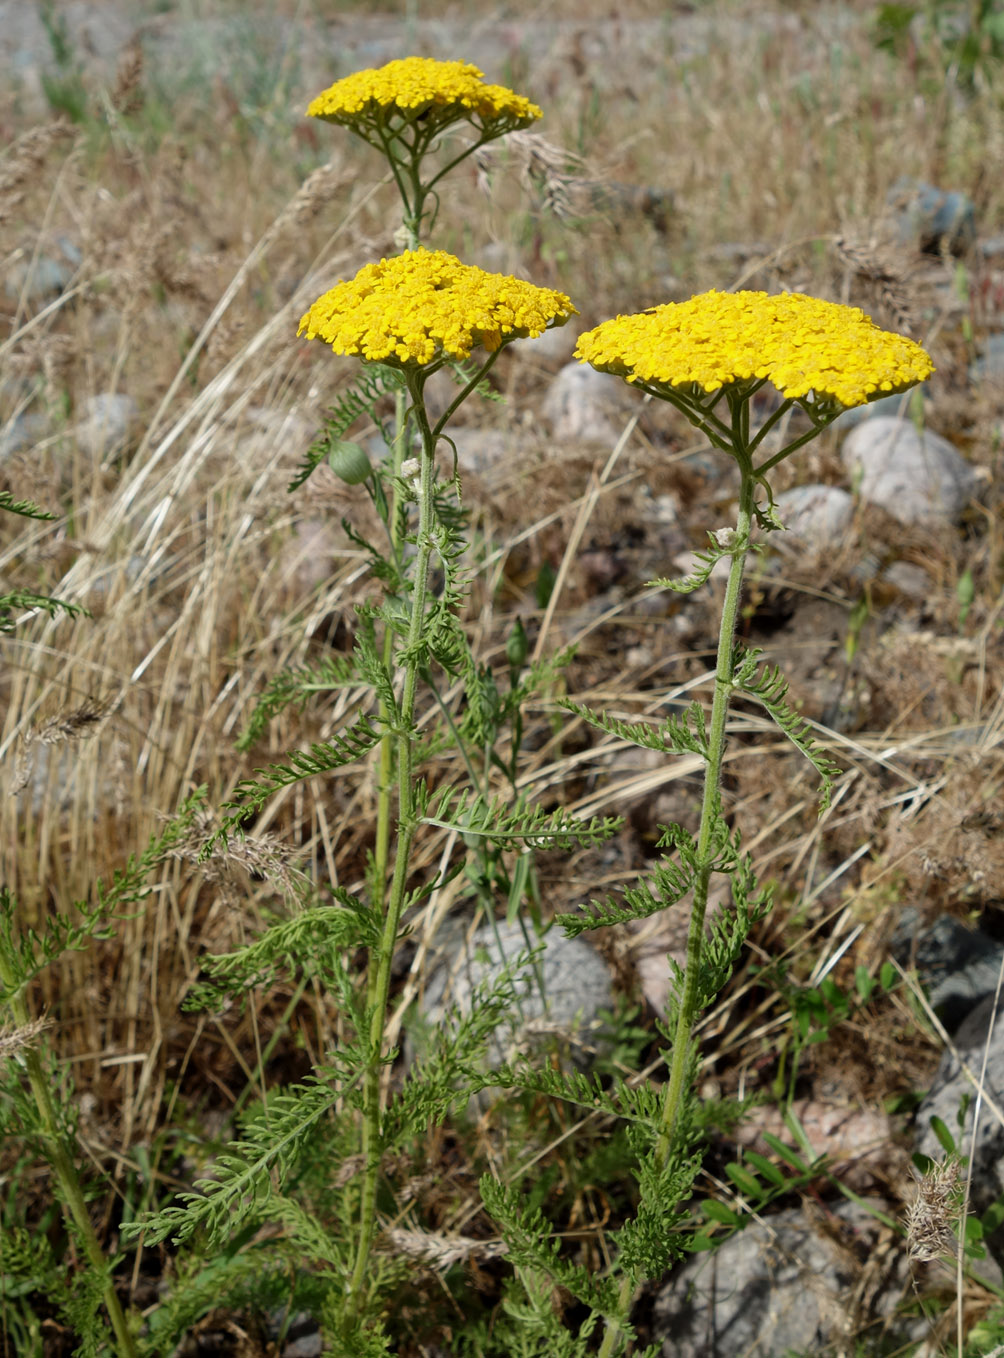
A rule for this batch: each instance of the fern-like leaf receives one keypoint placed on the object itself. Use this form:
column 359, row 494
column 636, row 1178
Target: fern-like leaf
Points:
column 683, row 733
column 251, row 794
column 630, row 1103
column 27, row 508
column 376, row 381
column 767, row 686
column 655, row 1236
column 527, row 1233
column 294, row 688
column 21, row 598
column 243, row 1174
column 294, row 943
column 29, row 951
column 471, row 815
column 704, row 563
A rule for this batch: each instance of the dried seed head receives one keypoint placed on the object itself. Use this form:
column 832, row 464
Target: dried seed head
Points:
column 16, row 1040
column 934, row 1214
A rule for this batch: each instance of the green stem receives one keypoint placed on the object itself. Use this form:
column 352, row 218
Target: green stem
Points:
column 710, row 817
column 405, row 737
column 70, row 1192
column 385, row 774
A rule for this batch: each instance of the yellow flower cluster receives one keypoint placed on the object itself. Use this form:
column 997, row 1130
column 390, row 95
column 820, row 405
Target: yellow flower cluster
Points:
column 418, row 307
column 801, row 344
column 444, row 91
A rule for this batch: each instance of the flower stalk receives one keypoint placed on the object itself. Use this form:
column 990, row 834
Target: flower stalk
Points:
column 400, row 740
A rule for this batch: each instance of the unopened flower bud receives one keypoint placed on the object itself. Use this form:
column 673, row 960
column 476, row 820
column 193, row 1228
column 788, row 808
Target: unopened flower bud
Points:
column 349, row 461
column 516, row 646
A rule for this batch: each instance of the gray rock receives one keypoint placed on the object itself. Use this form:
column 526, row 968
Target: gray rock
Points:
column 23, row 431
column 553, row 346
column 106, row 423
column 307, row 1346
column 779, row 1286
column 484, row 452
column 578, row 405
column 559, row 998
column 912, row 581
column 932, row 218
column 45, row 276
column 818, row 514
column 990, row 364
column 957, row 966
column 918, row 477
column 952, row 1090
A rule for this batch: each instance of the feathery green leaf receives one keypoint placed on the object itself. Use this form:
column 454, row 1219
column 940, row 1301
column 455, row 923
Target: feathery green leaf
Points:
column 767, row 686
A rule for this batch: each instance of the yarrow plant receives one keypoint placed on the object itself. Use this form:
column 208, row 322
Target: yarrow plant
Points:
column 708, row 357
column 405, row 318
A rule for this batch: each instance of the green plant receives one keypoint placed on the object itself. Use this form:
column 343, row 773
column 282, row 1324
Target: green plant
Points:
column 293, row 1209
column 65, row 91
column 36, row 1111
column 407, row 318
column 964, row 38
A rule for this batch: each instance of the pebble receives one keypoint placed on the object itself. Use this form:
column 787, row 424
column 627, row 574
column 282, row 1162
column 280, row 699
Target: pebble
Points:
column 990, row 364
column 957, row 966
column 931, row 217
column 818, row 514
column 578, row 405
column 106, row 424
column 38, row 279
column 912, row 581
column 916, row 476
column 575, row 985
column 23, row 431
column 901, row 405
column 779, row 1286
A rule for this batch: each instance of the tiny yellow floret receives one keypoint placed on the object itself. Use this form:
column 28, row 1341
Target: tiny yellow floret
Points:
column 809, row 349
column 422, row 306
column 441, row 92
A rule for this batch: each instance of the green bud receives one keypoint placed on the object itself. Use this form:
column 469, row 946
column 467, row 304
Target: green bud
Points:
column 349, row 461
column 516, row 646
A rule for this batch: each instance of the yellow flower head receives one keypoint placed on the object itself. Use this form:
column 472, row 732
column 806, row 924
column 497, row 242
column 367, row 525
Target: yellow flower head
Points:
column 809, row 349
column 440, row 92
column 424, row 305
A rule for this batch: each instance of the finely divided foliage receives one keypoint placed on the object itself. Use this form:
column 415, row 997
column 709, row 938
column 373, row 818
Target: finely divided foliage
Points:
column 315, row 1172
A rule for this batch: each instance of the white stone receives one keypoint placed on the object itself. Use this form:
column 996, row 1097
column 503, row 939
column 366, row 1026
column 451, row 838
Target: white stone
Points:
column 818, row 514
column 578, row 404
column 108, row 418
column 559, row 999
column 918, row 477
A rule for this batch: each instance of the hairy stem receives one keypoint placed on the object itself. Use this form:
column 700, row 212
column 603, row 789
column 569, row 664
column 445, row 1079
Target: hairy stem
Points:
column 404, row 737
column 687, row 1014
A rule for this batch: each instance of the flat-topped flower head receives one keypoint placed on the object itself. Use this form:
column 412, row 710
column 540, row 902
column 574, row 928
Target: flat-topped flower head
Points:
column 439, row 93
column 812, row 351
column 423, row 306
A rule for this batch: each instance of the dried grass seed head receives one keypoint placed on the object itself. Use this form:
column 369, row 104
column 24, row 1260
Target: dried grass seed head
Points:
column 809, row 349
column 418, row 307
column 933, row 1216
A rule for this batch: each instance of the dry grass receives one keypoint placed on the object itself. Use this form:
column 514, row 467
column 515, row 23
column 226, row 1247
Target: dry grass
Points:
column 769, row 159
